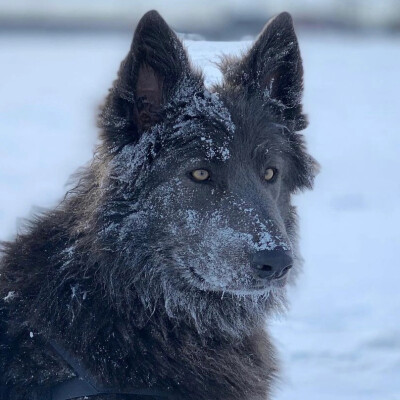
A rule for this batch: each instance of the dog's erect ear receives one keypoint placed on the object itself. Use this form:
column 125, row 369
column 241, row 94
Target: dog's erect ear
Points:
column 273, row 68
column 150, row 73
column 159, row 62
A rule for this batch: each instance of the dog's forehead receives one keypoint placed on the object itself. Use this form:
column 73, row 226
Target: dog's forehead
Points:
column 256, row 125
column 191, row 103
column 201, row 119
column 211, row 123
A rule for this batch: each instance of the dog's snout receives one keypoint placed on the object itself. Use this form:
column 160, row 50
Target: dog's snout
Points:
column 272, row 264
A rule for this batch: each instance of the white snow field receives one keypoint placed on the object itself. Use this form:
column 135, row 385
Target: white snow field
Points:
column 341, row 338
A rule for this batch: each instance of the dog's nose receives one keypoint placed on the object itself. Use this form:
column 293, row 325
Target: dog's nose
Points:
column 272, row 264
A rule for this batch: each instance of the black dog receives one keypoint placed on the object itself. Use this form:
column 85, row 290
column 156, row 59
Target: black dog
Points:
column 156, row 273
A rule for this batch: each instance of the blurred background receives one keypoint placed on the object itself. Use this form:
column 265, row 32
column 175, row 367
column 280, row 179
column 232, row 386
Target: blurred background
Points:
column 341, row 337
column 211, row 19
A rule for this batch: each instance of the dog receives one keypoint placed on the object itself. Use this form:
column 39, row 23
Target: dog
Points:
column 155, row 275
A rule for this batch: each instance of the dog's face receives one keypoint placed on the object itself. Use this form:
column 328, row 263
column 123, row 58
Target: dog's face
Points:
column 200, row 181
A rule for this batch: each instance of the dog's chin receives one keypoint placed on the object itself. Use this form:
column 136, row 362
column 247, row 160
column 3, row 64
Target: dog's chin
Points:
column 252, row 288
column 260, row 289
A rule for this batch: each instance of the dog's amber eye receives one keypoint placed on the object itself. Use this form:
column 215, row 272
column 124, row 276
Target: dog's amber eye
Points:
column 200, row 174
column 270, row 174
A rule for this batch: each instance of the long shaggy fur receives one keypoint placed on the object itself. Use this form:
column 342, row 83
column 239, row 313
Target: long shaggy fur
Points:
column 142, row 273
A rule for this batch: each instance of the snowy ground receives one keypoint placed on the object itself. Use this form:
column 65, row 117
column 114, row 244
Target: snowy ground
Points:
column 341, row 339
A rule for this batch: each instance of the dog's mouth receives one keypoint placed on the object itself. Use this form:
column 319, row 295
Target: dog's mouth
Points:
column 251, row 286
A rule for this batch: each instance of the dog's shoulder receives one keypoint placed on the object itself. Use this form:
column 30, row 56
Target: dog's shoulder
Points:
column 25, row 272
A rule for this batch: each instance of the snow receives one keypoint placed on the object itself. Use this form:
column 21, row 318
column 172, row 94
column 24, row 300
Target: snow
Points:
column 10, row 296
column 341, row 338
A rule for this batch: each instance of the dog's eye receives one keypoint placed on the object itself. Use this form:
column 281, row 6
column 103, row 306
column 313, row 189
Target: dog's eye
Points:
column 270, row 174
column 200, row 175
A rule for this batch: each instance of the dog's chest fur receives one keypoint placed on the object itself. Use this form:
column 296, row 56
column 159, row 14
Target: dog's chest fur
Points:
column 172, row 358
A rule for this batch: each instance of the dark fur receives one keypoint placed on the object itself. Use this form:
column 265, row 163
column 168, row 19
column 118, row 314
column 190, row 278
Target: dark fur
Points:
column 142, row 273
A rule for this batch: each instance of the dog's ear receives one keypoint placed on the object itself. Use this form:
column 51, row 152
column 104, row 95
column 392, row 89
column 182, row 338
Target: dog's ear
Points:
column 159, row 62
column 154, row 66
column 273, row 68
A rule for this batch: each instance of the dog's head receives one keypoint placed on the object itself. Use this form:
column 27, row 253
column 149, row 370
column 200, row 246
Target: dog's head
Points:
column 196, row 193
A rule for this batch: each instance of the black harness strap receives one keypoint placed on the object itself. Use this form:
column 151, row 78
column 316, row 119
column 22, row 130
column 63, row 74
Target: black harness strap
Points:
column 75, row 388
column 84, row 385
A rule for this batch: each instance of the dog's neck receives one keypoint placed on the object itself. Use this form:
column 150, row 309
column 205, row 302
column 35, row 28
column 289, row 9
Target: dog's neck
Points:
column 171, row 352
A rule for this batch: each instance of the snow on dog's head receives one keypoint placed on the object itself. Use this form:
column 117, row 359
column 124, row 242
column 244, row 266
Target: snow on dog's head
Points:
column 196, row 182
